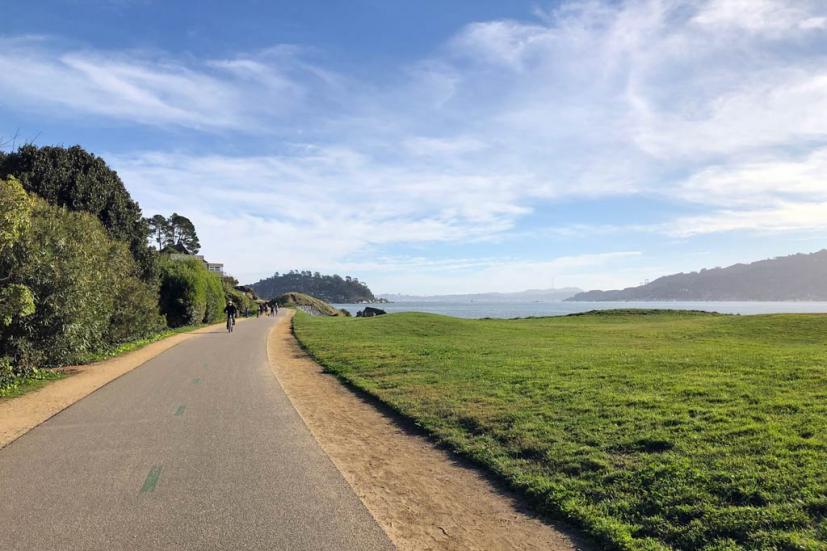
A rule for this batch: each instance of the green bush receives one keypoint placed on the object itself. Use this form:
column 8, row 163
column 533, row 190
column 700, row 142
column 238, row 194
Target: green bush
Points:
column 85, row 287
column 190, row 293
column 215, row 298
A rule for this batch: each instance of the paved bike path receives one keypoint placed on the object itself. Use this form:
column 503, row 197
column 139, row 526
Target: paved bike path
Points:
column 199, row 448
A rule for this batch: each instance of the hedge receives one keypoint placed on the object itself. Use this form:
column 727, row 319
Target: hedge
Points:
column 84, row 286
column 189, row 293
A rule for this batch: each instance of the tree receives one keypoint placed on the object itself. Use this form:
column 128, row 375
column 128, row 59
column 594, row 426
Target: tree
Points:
column 80, row 181
column 182, row 230
column 159, row 230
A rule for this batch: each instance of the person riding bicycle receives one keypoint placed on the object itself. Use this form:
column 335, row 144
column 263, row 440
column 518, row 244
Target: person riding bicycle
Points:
column 231, row 312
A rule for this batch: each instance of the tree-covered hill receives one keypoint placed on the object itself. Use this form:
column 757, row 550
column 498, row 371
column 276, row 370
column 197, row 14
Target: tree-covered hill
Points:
column 331, row 288
column 796, row 277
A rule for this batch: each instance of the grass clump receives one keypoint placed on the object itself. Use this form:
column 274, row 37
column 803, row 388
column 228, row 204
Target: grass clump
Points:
column 12, row 386
column 654, row 430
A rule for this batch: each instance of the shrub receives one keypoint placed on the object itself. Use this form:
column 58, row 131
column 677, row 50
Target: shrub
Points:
column 190, row 293
column 84, row 285
column 215, row 298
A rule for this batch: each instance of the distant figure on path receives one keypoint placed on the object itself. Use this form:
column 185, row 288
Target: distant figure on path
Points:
column 231, row 312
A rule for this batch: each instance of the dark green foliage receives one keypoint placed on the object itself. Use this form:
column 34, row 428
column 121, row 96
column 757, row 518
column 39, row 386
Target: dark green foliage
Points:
column 81, row 181
column 794, row 277
column 135, row 313
column 190, row 294
column 158, row 230
column 176, row 230
column 85, row 286
column 662, row 430
column 182, row 230
column 333, row 288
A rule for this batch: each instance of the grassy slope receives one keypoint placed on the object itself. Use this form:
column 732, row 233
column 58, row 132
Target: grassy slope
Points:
column 690, row 431
column 301, row 299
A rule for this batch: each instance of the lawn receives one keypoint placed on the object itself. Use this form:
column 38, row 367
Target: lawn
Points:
column 649, row 430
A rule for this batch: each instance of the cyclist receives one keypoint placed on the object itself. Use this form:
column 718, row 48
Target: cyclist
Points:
column 231, row 312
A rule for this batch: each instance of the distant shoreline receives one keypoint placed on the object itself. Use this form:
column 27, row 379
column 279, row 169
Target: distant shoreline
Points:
column 523, row 309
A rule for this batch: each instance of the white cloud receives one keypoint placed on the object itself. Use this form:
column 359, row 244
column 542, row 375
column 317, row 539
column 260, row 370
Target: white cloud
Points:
column 761, row 181
column 320, row 205
column 782, row 217
column 762, row 16
column 148, row 87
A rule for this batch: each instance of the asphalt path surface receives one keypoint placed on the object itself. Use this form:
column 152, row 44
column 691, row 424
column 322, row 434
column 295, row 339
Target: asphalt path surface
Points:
column 199, row 448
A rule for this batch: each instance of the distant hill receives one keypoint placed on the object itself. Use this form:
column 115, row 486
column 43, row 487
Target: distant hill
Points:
column 532, row 295
column 328, row 288
column 797, row 277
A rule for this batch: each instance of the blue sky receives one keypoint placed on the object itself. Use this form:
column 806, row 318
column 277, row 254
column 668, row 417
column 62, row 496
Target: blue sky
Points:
column 444, row 146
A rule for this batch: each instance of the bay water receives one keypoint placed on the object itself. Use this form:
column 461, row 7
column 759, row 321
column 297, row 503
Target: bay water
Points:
column 537, row 309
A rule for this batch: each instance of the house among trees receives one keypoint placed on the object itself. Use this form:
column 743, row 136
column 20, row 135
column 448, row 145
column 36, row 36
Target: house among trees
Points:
column 215, row 267
column 176, row 237
column 179, row 252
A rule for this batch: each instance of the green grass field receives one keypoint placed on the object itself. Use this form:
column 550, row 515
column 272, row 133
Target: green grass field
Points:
column 647, row 430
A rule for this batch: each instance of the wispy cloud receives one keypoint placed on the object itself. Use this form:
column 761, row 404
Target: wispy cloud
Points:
column 147, row 87
column 462, row 275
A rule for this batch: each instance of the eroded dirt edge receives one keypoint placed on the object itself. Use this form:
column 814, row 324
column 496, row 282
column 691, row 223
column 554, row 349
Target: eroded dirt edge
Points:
column 422, row 497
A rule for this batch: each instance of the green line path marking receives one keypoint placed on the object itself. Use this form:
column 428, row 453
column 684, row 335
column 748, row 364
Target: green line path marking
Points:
column 151, row 479
column 180, row 410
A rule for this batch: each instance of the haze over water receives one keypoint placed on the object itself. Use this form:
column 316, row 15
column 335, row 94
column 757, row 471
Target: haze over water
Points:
column 528, row 309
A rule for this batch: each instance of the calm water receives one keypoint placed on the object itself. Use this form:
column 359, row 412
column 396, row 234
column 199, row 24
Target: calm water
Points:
column 525, row 309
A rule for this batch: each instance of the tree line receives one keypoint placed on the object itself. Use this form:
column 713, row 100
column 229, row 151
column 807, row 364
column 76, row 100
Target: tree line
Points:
column 331, row 288
column 77, row 273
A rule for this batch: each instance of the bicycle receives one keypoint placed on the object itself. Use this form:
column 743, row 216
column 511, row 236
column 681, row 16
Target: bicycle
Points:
column 230, row 323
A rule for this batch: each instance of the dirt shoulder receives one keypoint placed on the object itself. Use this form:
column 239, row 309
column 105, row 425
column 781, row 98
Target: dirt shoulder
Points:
column 21, row 414
column 423, row 497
